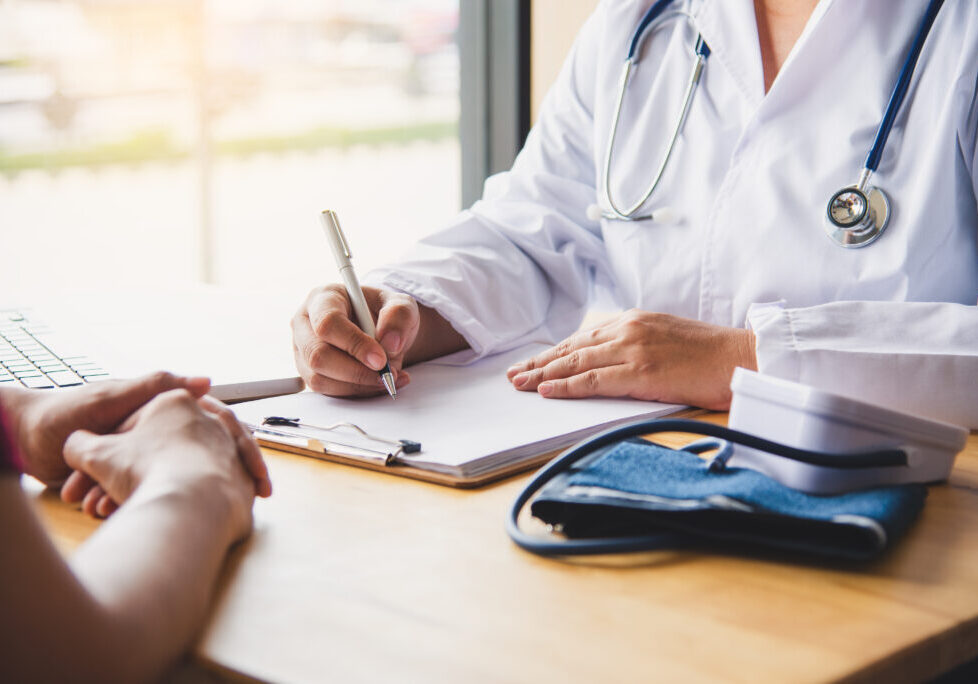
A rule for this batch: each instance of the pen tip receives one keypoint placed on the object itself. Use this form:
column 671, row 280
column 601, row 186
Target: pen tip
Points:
column 388, row 379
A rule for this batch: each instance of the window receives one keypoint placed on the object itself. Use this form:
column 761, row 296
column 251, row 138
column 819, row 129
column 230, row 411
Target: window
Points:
column 165, row 142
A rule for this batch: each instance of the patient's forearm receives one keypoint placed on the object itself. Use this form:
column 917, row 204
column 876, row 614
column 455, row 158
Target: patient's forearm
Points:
column 141, row 588
column 153, row 570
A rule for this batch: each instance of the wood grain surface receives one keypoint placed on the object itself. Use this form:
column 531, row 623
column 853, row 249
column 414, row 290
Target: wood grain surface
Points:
column 354, row 576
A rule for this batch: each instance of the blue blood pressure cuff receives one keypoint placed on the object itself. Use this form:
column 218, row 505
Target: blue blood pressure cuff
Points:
column 634, row 488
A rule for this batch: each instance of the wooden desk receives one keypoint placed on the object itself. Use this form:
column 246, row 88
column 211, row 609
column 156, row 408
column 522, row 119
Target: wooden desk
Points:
column 353, row 576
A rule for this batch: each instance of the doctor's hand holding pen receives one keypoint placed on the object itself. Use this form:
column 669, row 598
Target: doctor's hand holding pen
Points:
column 335, row 357
column 638, row 354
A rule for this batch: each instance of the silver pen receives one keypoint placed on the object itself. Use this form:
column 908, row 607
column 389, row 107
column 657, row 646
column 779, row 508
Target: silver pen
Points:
column 341, row 252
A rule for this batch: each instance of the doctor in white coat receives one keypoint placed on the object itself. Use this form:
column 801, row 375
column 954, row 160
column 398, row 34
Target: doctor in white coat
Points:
column 744, row 272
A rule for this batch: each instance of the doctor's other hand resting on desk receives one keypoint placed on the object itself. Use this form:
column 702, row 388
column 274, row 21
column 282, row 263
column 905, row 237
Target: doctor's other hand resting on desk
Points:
column 643, row 355
column 685, row 169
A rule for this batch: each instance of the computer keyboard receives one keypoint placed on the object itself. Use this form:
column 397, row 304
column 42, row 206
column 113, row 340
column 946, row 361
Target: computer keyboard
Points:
column 33, row 355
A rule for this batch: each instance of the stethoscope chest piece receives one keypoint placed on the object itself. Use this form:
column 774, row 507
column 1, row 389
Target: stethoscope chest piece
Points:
column 856, row 217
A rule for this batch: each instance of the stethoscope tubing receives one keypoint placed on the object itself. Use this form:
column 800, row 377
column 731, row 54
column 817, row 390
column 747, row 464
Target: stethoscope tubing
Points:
column 883, row 458
column 702, row 53
column 651, row 14
column 901, row 87
column 866, row 230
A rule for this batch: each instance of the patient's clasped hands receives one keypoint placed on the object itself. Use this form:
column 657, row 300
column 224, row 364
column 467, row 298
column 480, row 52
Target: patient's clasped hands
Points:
column 160, row 433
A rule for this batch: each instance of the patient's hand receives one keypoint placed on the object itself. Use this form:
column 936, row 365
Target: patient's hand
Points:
column 41, row 420
column 96, row 501
column 180, row 447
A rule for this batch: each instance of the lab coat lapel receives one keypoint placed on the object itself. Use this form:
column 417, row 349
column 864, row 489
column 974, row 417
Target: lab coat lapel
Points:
column 817, row 41
column 730, row 29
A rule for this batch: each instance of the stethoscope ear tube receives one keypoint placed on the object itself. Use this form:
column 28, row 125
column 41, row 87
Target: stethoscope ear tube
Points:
column 579, row 547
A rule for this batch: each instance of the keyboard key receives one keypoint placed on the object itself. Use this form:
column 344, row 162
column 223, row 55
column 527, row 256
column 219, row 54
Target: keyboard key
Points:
column 52, row 366
column 38, row 382
column 38, row 350
column 25, row 350
column 6, row 381
column 89, row 375
column 87, row 369
column 13, row 350
column 15, row 366
column 20, row 341
column 27, row 373
column 40, row 357
column 65, row 379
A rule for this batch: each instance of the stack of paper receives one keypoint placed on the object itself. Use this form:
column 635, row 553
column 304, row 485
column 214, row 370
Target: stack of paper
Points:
column 469, row 420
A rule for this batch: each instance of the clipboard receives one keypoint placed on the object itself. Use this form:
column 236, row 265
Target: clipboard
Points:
column 387, row 461
column 301, row 447
column 473, row 427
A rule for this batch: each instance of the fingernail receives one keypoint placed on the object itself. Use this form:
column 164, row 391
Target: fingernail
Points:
column 391, row 342
column 375, row 361
column 521, row 380
column 515, row 368
column 199, row 383
column 546, row 389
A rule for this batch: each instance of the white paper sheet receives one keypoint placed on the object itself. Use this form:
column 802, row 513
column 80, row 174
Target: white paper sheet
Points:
column 469, row 419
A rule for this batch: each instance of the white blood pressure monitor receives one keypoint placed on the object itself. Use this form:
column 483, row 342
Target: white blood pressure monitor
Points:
column 801, row 416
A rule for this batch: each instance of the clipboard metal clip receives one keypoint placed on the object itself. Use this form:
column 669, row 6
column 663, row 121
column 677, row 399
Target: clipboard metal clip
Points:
column 296, row 434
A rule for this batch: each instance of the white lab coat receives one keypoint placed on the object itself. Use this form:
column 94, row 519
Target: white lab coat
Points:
column 895, row 322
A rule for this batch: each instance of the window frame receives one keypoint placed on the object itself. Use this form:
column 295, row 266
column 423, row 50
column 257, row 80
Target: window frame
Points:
column 494, row 88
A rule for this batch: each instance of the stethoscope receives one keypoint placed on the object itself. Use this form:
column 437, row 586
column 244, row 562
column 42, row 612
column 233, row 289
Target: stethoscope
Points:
column 721, row 439
column 857, row 214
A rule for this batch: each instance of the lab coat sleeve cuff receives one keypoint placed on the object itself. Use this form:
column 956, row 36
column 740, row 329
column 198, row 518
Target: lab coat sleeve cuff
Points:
column 776, row 343
column 760, row 312
column 480, row 340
